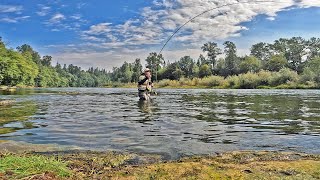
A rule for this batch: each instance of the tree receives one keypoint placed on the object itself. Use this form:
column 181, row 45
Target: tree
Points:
column 3, row 49
column 250, row 64
column 46, row 60
column 231, row 59
column 276, row 63
column 185, row 65
column 172, row 72
column 195, row 70
column 293, row 49
column 212, row 52
column 221, row 68
column 28, row 49
column 205, row 71
column 137, row 70
column 261, row 51
column 202, row 60
column 313, row 45
column 312, row 70
column 154, row 61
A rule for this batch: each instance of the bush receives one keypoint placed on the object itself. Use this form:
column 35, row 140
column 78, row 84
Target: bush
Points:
column 312, row 71
column 264, row 77
column 249, row 80
column 284, row 76
column 212, row 81
column 163, row 83
column 232, row 82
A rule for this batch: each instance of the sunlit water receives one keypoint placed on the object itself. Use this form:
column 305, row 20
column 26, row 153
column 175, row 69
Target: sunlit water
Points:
column 176, row 122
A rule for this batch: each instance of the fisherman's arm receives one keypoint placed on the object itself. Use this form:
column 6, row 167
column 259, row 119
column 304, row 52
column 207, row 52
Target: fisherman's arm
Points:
column 143, row 81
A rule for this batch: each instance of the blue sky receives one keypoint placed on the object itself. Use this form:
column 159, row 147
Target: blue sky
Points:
column 107, row 33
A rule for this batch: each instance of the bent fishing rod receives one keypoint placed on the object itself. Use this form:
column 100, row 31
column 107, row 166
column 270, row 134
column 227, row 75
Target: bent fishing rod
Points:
column 207, row 11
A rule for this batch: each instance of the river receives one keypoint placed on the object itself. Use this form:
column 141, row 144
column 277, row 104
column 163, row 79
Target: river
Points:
column 175, row 123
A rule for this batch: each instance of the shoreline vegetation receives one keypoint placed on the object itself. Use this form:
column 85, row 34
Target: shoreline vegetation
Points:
column 114, row 165
column 292, row 63
column 284, row 79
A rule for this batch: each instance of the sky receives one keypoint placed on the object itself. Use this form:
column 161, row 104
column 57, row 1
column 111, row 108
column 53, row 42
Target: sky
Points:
column 105, row 33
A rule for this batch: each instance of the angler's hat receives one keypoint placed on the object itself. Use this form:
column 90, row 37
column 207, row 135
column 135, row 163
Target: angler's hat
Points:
column 147, row 70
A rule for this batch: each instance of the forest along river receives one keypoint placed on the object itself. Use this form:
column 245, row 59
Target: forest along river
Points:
column 174, row 124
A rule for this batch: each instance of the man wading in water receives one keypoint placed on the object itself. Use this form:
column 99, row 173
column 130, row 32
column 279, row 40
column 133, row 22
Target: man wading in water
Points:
column 145, row 85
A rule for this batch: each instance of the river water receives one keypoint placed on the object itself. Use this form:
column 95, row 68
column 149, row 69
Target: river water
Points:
column 175, row 123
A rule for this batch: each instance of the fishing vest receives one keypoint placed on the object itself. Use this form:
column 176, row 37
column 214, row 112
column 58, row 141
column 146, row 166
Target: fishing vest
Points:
column 146, row 85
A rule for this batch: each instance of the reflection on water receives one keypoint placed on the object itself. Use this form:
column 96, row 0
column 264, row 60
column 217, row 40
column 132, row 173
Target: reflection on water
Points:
column 178, row 122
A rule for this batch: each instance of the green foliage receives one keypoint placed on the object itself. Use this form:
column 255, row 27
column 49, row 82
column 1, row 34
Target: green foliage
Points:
column 261, row 50
column 154, row 62
column 285, row 58
column 211, row 81
column 16, row 70
column 249, row 80
column 204, row 71
column 250, row 64
column 21, row 166
column 212, row 51
column 172, row 72
column 25, row 67
column 186, row 64
column 284, row 76
column 312, row 71
column 276, row 63
column 231, row 60
column 293, row 49
column 233, row 82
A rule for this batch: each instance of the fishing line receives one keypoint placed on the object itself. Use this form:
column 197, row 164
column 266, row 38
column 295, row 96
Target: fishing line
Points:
column 207, row 11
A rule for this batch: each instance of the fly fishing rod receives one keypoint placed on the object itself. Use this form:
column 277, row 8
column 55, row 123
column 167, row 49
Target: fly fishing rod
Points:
column 207, row 11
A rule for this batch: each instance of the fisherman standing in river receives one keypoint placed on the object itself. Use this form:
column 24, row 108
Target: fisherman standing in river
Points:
column 145, row 85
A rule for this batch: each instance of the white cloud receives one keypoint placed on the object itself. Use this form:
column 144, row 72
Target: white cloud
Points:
column 76, row 16
column 8, row 20
column 58, row 21
column 13, row 19
column 44, row 10
column 309, row 3
column 57, row 18
column 10, row 9
column 155, row 24
column 99, row 29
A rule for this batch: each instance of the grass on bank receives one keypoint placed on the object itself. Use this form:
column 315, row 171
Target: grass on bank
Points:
column 108, row 165
column 14, row 166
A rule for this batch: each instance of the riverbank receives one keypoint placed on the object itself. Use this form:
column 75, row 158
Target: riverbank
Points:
column 284, row 79
column 113, row 165
column 188, row 84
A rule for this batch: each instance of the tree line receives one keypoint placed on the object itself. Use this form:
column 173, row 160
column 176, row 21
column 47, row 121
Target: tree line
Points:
column 25, row 67
column 295, row 54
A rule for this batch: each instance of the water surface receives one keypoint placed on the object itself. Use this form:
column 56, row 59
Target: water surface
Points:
column 175, row 123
